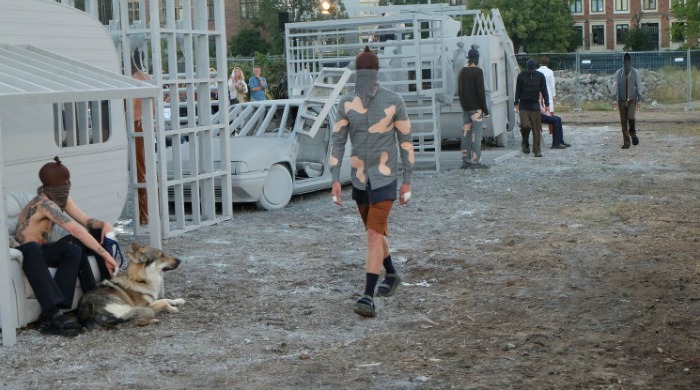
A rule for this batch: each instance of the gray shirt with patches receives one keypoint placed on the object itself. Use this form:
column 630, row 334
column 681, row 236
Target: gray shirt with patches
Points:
column 378, row 134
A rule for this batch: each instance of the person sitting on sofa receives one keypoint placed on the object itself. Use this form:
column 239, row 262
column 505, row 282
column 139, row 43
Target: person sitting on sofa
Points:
column 53, row 206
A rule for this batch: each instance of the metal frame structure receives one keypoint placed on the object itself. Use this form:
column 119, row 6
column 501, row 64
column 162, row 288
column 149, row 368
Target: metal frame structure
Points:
column 179, row 43
column 416, row 45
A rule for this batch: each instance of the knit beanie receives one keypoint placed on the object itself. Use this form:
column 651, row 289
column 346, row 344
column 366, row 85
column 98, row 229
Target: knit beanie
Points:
column 627, row 57
column 367, row 60
column 531, row 64
column 473, row 54
column 54, row 174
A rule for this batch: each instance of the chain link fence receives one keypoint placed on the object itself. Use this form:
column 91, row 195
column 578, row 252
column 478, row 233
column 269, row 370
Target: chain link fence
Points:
column 668, row 77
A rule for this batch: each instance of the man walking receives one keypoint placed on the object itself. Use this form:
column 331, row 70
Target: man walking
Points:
column 472, row 98
column 626, row 98
column 376, row 121
column 528, row 87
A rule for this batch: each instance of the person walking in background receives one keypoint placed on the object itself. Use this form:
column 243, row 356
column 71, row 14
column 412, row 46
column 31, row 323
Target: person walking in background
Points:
column 551, row 82
column 528, row 87
column 137, row 72
column 376, row 120
column 557, row 127
column 472, row 98
column 257, row 85
column 626, row 98
column 237, row 87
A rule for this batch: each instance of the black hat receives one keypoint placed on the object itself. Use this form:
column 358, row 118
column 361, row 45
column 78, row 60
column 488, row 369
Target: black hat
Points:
column 531, row 64
column 473, row 54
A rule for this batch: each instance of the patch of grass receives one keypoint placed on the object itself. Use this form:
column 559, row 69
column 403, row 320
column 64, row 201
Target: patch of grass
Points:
column 673, row 90
column 686, row 129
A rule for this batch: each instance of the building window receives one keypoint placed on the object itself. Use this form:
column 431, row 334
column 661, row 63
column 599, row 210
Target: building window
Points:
column 649, row 5
column 177, row 4
column 133, row 9
column 677, row 32
column 576, row 7
column 249, row 8
column 621, row 31
column 598, row 5
column 597, row 35
column 210, row 9
column 622, row 5
column 579, row 31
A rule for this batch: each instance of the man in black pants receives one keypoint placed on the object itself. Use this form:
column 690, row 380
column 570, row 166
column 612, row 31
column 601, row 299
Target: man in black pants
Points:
column 52, row 205
column 528, row 87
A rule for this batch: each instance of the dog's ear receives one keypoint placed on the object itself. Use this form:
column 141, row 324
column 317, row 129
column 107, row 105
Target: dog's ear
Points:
column 133, row 257
column 135, row 246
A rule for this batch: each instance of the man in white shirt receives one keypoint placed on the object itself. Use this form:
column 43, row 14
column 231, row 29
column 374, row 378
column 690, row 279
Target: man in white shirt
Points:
column 549, row 77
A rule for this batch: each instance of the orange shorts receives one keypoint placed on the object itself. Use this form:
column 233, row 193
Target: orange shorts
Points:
column 376, row 216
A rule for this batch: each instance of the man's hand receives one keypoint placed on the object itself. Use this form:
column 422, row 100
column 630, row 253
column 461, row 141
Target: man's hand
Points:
column 336, row 192
column 109, row 262
column 106, row 228
column 404, row 194
column 516, row 108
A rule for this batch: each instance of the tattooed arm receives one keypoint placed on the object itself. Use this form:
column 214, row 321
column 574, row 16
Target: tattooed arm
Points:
column 54, row 213
column 89, row 223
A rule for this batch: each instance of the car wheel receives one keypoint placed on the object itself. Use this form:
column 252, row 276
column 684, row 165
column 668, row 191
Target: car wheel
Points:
column 277, row 190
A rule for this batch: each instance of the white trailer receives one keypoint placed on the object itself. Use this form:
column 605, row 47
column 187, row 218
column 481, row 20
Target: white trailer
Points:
column 421, row 49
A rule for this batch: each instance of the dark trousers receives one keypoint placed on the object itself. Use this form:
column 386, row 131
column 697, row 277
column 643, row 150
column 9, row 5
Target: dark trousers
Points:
column 627, row 117
column 65, row 256
column 557, row 131
column 531, row 121
column 101, row 266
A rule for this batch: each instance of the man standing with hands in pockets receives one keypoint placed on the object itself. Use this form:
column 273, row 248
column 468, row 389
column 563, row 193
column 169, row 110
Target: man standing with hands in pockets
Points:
column 376, row 121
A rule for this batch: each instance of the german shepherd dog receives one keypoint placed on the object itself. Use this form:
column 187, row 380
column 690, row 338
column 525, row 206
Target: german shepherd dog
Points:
column 131, row 297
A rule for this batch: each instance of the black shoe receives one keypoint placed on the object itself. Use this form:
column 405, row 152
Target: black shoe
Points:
column 635, row 140
column 465, row 165
column 626, row 146
column 564, row 144
column 365, row 307
column 526, row 149
column 60, row 325
column 480, row 166
column 538, row 154
column 558, row 147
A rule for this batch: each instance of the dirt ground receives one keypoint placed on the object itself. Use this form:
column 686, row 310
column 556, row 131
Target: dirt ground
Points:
column 578, row 270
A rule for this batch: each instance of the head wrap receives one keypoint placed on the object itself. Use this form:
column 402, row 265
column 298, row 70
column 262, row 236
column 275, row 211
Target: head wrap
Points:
column 531, row 64
column 55, row 180
column 627, row 57
column 473, row 54
column 367, row 60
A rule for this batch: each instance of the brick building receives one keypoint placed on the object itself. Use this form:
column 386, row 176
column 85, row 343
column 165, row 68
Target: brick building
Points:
column 603, row 23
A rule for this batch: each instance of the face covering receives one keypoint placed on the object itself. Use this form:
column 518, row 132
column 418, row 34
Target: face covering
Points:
column 366, row 83
column 57, row 194
column 627, row 66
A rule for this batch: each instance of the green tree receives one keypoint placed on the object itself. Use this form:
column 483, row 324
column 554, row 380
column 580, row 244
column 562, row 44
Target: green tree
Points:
column 637, row 39
column 536, row 26
column 247, row 42
column 688, row 12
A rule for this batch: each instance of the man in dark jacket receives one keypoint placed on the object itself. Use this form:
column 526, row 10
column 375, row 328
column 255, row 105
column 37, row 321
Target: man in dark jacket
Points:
column 472, row 98
column 528, row 87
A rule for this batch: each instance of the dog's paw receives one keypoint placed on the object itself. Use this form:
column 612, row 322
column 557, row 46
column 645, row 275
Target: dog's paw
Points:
column 178, row 301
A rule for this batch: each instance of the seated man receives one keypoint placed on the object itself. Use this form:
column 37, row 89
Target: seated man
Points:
column 67, row 255
column 558, row 131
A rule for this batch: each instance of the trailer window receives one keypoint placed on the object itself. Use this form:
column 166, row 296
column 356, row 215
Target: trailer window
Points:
column 81, row 123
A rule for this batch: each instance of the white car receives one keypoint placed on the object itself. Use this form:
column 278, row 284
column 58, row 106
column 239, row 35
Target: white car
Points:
column 273, row 157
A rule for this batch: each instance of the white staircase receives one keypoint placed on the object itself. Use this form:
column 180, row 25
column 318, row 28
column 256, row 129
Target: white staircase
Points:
column 321, row 98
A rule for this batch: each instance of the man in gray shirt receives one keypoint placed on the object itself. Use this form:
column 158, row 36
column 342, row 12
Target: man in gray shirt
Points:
column 376, row 121
column 626, row 97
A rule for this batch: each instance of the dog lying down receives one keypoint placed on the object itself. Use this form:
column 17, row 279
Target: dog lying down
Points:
column 131, row 297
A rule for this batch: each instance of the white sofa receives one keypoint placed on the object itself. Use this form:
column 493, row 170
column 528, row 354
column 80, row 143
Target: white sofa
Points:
column 28, row 308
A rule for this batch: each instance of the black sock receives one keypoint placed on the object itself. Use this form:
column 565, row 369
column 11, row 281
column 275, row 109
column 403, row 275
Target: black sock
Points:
column 371, row 284
column 388, row 266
